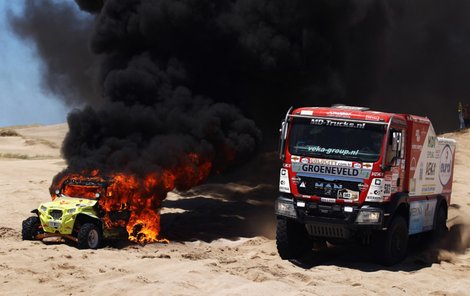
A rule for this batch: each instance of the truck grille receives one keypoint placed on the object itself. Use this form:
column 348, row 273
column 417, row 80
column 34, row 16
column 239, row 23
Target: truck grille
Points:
column 325, row 230
column 323, row 188
column 56, row 214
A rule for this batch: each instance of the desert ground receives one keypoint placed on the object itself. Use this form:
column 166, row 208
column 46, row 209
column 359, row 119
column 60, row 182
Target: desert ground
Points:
column 221, row 239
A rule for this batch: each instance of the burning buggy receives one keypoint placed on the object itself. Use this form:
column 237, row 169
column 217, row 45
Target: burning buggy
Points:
column 75, row 214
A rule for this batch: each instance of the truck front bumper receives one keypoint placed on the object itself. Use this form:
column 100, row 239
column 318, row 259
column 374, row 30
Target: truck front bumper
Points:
column 331, row 220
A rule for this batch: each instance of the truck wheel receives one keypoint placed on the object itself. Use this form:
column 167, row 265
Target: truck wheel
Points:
column 395, row 242
column 292, row 239
column 440, row 229
column 89, row 236
column 30, row 228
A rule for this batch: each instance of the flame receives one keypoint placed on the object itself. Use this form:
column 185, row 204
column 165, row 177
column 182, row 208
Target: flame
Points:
column 140, row 197
column 82, row 191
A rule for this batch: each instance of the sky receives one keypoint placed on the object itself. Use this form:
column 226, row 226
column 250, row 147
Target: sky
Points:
column 22, row 99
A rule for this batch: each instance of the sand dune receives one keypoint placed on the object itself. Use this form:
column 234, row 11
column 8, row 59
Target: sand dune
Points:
column 221, row 240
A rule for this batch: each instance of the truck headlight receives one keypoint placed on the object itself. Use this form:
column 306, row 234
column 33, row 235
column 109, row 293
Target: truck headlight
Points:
column 43, row 208
column 369, row 216
column 71, row 211
column 285, row 207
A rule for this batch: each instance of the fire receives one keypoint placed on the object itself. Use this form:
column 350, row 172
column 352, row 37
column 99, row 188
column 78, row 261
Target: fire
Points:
column 82, row 191
column 139, row 197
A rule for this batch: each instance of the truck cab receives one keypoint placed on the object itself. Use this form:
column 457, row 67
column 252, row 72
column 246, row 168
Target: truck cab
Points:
column 352, row 174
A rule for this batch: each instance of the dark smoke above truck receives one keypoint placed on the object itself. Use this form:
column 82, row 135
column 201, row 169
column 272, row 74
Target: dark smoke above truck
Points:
column 351, row 174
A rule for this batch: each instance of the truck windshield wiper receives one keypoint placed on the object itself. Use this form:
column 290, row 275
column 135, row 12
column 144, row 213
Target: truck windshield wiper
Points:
column 353, row 157
column 347, row 157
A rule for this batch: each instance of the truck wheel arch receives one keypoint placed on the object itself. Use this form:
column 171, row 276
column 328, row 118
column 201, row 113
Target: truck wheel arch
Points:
column 398, row 206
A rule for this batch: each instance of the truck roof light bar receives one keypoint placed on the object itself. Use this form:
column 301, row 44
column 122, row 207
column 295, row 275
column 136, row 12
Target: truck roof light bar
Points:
column 346, row 107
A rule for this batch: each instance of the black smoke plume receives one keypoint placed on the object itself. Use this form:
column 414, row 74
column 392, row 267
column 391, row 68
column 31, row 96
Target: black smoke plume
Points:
column 61, row 36
column 171, row 71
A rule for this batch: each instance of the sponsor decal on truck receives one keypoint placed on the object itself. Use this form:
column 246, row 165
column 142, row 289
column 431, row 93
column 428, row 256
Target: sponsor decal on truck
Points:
column 321, row 169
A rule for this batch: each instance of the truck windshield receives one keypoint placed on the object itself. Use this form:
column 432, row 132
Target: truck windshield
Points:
column 334, row 139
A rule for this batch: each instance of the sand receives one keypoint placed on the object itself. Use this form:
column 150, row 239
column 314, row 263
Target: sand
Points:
column 222, row 240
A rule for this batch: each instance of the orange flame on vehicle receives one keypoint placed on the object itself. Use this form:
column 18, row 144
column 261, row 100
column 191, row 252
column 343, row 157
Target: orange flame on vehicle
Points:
column 82, row 191
column 142, row 197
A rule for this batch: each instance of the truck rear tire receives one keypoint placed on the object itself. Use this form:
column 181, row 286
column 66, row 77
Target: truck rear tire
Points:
column 395, row 242
column 440, row 229
column 292, row 239
column 89, row 236
column 30, row 228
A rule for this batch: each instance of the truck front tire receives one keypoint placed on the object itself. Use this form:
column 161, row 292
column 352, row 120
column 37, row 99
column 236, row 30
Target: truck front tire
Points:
column 89, row 236
column 395, row 242
column 30, row 228
column 292, row 239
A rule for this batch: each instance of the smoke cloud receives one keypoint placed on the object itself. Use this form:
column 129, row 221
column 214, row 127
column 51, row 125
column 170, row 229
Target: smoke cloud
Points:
column 164, row 71
column 427, row 64
column 60, row 35
column 262, row 56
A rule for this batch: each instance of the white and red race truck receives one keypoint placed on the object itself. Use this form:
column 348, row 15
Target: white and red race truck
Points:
column 351, row 174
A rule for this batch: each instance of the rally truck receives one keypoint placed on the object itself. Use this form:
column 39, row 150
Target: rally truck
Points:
column 75, row 215
column 350, row 174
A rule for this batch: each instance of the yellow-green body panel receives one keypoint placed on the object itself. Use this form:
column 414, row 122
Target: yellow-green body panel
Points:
column 70, row 207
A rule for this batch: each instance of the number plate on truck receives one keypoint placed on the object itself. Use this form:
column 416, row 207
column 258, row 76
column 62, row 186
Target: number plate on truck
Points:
column 54, row 224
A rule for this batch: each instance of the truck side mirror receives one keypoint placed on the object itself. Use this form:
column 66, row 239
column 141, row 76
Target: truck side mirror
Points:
column 395, row 148
column 285, row 126
column 282, row 137
column 385, row 167
column 396, row 142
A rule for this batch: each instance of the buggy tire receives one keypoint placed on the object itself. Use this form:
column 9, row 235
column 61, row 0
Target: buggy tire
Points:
column 395, row 242
column 30, row 228
column 292, row 239
column 89, row 236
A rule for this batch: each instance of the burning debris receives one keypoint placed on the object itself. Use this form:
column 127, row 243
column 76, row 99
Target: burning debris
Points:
column 141, row 197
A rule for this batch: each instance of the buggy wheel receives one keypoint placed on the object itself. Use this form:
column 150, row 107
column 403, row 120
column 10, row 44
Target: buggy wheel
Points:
column 89, row 236
column 30, row 228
